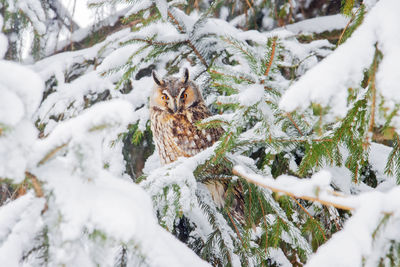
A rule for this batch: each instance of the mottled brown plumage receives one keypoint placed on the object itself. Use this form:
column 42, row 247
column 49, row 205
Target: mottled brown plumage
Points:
column 173, row 119
column 175, row 106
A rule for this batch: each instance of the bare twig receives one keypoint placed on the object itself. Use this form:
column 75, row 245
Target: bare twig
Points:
column 190, row 44
column 35, row 183
column 294, row 123
column 236, row 229
column 51, row 154
column 271, row 58
column 291, row 194
column 265, row 223
column 37, row 188
column 348, row 24
column 312, row 218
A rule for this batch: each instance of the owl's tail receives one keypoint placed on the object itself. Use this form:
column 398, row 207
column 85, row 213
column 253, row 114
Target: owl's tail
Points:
column 219, row 193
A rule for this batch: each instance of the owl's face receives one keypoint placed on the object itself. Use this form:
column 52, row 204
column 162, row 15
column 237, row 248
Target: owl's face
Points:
column 174, row 95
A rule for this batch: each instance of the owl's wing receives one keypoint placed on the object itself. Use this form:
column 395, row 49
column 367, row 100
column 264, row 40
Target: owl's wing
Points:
column 188, row 138
column 191, row 140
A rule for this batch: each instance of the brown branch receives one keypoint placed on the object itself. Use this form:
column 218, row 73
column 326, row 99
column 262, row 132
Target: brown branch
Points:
column 271, row 58
column 190, row 44
column 312, row 218
column 152, row 42
column 51, row 154
column 288, row 193
column 250, row 6
column 37, row 188
column 232, row 76
column 348, row 24
column 236, row 229
column 35, row 183
column 302, row 140
column 237, row 46
column 249, row 205
column 265, row 223
column 294, row 123
column 373, row 91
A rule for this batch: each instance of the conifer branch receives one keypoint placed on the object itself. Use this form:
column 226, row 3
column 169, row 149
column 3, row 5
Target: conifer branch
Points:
column 152, row 42
column 236, row 229
column 271, row 57
column 232, row 76
column 250, row 6
column 265, row 223
column 294, row 123
column 311, row 217
column 373, row 92
column 190, row 44
column 348, row 24
column 50, row 154
column 237, row 47
column 249, row 204
column 35, row 183
column 337, row 195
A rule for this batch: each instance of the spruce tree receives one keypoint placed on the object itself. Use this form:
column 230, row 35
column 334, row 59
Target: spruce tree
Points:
column 310, row 134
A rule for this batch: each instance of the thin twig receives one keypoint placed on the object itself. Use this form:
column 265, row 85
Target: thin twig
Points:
column 35, row 183
column 152, row 42
column 294, row 123
column 373, row 91
column 271, row 58
column 237, row 46
column 232, row 76
column 348, row 24
column 236, row 229
column 310, row 198
column 37, row 188
column 312, row 218
column 51, row 154
column 265, row 223
column 190, row 44
column 249, row 204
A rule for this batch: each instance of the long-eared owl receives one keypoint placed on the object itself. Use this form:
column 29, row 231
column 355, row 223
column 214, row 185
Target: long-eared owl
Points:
column 176, row 104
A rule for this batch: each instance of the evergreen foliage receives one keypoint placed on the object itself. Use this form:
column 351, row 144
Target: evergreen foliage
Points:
column 90, row 113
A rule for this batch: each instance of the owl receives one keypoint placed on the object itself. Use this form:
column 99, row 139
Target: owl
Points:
column 176, row 104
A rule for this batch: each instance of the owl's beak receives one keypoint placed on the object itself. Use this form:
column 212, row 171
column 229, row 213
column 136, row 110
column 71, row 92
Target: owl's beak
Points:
column 173, row 106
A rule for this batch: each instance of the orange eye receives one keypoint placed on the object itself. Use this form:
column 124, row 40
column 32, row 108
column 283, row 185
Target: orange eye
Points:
column 183, row 96
column 165, row 97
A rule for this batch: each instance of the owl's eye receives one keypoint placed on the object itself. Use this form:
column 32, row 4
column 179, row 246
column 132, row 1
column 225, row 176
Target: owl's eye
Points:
column 183, row 96
column 165, row 97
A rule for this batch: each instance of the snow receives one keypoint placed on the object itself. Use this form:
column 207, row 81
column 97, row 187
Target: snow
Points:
column 3, row 40
column 355, row 241
column 250, row 95
column 132, row 221
column 327, row 83
column 138, row 7
column 20, row 221
column 74, row 177
column 17, row 105
column 9, row 101
column 92, row 208
column 12, row 81
column 162, row 7
column 178, row 173
column 319, row 24
column 33, row 9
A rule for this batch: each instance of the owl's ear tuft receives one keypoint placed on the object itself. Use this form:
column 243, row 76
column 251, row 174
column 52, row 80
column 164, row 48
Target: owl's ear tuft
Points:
column 156, row 79
column 185, row 77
